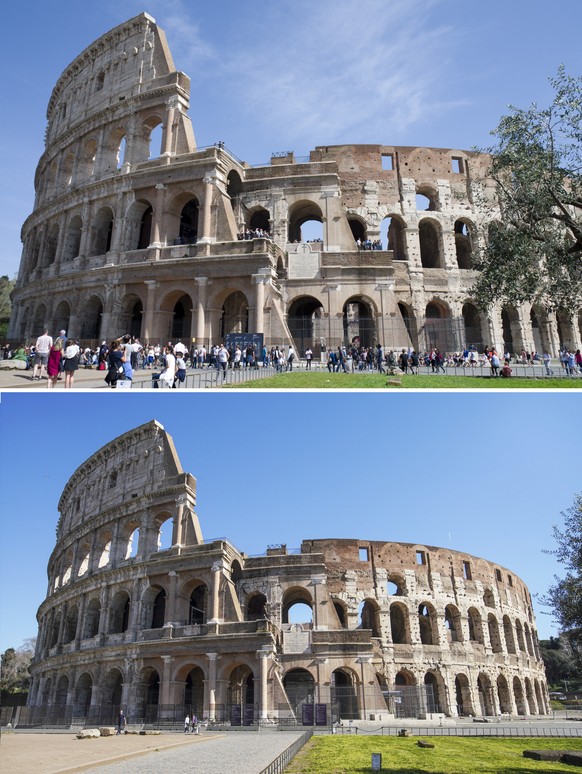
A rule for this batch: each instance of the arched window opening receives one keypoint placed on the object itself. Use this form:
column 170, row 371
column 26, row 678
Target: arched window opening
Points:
column 494, row 636
column 104, row 558
column 519, row 634
column 119, row 613
column 368, row 617
column 358, row 230
column 51, row 246
column 463, row 696
column 299, row 612
column 182, row 318
column 399, row 625
column 159, row 610
column 120, row 155
column 194, row 693
column 425, row 201
column 189, row 223
column 71, row 621
column 341, row 614
column 165, row 534
column 503, row 695
column 67, row 574
column 233, row 185
column 392, row 236
column 300, row 689
column 344, row 701
column 235, row 315
column 90, row 319
column 84, row 566
column 472, row 323
column 475, row 626
column 235, row 572
column 256, row 607
column 305, row 322
column 260, row 221
column 55, row 630
column 305, row 222
column 519, row 696
column 72, row 244
column 67, row 170
column 82, row 695
column 145, row 229
column 485, row 690
column 425, row 625
column 453, row 624
column 395, row 586
column 62, row 692
column 508, row 634
column 359, row 325
column 463, row 245
column 198, row 606
column 155, row 142
column 92, row 616
column 103, row 230
column 432, row 692
column 296, row 606
column 429, row 237
column 152, row 696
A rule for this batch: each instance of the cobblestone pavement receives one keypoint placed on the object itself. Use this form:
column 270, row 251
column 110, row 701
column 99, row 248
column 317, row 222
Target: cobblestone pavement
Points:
column 235, row 753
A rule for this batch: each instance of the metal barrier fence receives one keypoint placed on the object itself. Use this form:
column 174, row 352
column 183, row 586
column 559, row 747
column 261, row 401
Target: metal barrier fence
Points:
column 479, row 730
column 212, row 378
column 282, row 761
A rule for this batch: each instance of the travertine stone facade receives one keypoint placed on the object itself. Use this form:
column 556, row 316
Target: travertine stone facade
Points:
column 141, row 612
column 135, row 229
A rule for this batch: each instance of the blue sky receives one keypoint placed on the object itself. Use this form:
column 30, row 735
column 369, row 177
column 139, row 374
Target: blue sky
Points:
column 292, row 74
column 488, row 474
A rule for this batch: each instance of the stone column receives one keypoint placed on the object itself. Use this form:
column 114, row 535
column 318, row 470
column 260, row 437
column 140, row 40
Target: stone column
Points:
column 149, row 311
column 60, row 240
column 80, row 621
column 168, row 130
column 333, row 314
column 319, row 602
column 217, row 568
column 209, row 183
column 179, row 525
column 171, row 605
column 448, row 247
column 264, row 660
column 166, row 685
column 158, row 215
column 202, row 283
column 331, row 222
column 260, row 280
column 86, row 229
column 212, row 657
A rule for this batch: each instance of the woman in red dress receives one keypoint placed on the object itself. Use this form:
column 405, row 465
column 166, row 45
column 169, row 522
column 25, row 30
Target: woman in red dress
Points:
column 52, row 366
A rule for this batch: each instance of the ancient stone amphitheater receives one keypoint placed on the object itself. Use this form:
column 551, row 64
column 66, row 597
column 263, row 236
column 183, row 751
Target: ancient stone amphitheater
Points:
column 143, row 613
column 137, row 230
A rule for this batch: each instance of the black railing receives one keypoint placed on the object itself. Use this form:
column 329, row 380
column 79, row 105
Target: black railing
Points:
column 282, row 761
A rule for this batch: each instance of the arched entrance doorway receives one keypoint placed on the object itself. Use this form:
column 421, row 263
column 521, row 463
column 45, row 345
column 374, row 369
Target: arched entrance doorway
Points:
column 300, row 691
column 305, row 321
column 241, row 696
column 235, row 315
column 359, row 325
column 194, row 693
column 181, row 319
column 344, row 699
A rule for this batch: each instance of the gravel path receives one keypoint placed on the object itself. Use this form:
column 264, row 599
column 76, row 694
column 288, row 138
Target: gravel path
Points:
column 234, row 753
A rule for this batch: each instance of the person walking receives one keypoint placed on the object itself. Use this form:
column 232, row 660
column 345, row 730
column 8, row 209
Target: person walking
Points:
column 71, row 358
column 41, row 353
column 121, row 722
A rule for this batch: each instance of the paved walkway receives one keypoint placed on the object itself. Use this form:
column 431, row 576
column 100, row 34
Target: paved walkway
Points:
column 209, row 753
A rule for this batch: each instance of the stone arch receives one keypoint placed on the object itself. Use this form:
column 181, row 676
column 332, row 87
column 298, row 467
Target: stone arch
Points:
column 50, row 247
column 71, row 621
column 92, row 618
column 519, row 696
column 72, row 245
column 113, row 151
column 427, row 199
column 86, row 160
column 400, row 624
column 259, row 218
column 453, row 624
column 189, row 218
column 463, row 696
column 437, row 328
column 90, row 318
column 131, row 316
column 508, row 634
column 39, row 322
column 341, row 611
column 119, row 613
column 503, row 695
column 235, row 314
column 153, row 607
column 82, row 695
column 299, row 685
column 472, row 326
column 512, row 336
column 404, row 677
column 529, row 697
column 369, row 616
column 104, row 548
column 358, row 227
column 255, row 607
column 475, row 625
column 181, row 218
column 539, row 337
column 305, row 321
column 194, row 692
column 344, row 698
column 66, row 171
column 241, row 691
column 56, row 625
column 427, row 624
column 164, row 527
column 392, row 230
column 233, row 186
column 396, row 585
column 301, row 212
column 485, row 691
column 198, row 605
column 181, row 318
column 566, row 333
column 519, row 636
column 488, row 598
column 149, row 693
column 111, row 690
column 494, row 636
column 429, row 235
column 62, row 316
column 62, row 691
column 147, row 141
column 539, row 698
column 102, row 231
column 434, row 679
column 295, row 595
column 138, row 225
column 464, row 231
column 359, row 321
column 46, row 692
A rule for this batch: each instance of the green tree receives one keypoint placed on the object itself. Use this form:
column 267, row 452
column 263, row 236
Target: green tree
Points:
column 6, row 287
column 14, row 675
column 533, row 248
column 565, row 596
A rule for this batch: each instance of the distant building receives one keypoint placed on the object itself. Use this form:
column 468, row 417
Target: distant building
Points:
column 342, row 629
column 136, row 230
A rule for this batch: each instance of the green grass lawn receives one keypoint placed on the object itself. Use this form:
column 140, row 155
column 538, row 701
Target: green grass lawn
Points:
column 451, row 755
column 325, row 381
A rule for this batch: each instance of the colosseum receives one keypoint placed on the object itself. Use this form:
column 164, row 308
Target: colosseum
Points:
column 142, row 612
column 136, row 229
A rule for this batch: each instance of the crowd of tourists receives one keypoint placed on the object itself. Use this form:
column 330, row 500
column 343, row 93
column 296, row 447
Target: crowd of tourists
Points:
column 59, row 358
column 253, row 233
column 369, row 244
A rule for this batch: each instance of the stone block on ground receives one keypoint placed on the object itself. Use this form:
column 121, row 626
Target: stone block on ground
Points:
column 88, row 733
column 107, row 731
column 422, row 743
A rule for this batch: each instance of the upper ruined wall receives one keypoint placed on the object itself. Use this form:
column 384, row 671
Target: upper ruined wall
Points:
column 136, row 462
column 133, row 58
